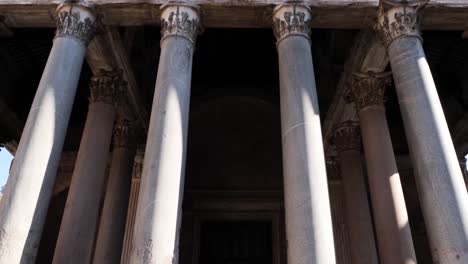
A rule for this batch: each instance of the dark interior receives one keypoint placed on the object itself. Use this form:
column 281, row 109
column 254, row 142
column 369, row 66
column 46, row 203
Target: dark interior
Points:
column 234, row 140
column 242, row 242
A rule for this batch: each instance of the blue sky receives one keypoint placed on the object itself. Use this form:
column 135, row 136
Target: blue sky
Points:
column 5, row 160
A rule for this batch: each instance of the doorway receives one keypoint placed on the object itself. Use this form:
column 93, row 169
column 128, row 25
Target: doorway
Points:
column 236, row 242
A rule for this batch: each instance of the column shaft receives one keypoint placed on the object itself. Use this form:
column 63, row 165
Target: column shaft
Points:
column 80, row 218
column 391, row 218
column 132, row 206
column 443, row 197
column 394, row 239
column 159, row 211
column 308, row 216
column 109, row 241
column 24, row 204
column 357, row 210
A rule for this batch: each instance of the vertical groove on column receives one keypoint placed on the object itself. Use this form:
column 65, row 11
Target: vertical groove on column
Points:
column 355, row 205
column 132, row 206
column 343, row 255
column 80, row 221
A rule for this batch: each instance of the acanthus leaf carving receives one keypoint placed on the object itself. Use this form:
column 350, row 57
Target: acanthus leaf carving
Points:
column 180, row 20
column 138, row 164
column 396, row 21
column 124, row 134
column 368, row 89
column 347, row 136
column 71, row 23
column 333, row 168
column 291, row 19
column 107, row 87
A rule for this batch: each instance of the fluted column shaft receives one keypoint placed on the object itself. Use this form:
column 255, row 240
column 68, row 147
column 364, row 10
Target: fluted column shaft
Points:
column 80, row 218
column 24, row 204
column 159, row 211
column 443, row 197
column 132, row 206
column 308, row 216
column 358, row 214
column 111, row 232
column 394, row 239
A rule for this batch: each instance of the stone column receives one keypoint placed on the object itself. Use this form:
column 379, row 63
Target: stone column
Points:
column 443, row 197
column 132, row 206
column 24, row 204
column 308, row 217
column 159, row 211
column 394, row 239
column 112, row 227
column 347, row 140
column 80, row 218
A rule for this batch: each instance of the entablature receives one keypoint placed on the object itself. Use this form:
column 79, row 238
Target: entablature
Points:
column 343, row 14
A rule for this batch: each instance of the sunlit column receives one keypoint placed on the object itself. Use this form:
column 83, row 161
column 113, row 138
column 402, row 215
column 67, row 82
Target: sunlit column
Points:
column 75, row 241
column 159, row 211
column 394, row 240
column 24, row 204
column 308, row 216
column 443, row 196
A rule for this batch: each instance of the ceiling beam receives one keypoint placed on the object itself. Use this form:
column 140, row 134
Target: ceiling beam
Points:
column 367, row 55
column 344, row 14
column 107, row 52
column 11, row 127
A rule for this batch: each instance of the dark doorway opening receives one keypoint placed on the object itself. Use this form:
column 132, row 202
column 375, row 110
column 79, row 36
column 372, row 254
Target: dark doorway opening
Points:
column 240, row 242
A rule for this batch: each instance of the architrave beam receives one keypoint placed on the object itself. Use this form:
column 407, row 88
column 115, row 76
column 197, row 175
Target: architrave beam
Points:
column 343, row 14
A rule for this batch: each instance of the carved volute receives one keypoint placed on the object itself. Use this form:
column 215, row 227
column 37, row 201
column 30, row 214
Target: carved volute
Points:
column 291, row 19
column 368, row 89
column 180, row 19
column 396, row 19
column 76, row 21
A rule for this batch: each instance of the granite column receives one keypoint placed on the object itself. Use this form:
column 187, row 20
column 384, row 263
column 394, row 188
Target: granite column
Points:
column 24, row 204
column 347, row 140
column 442, row 194
column 395, row 243
column 75, row 242
column 159, row 211
column 132, row 206
column 307, row 206
column 112, row 227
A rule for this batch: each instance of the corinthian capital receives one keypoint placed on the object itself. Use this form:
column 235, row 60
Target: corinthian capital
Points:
column 333, row 168
column 347, row 136
column 124, row 134
column 138, row 164
column 180, row 19
column 107, row 87
column 368, row 89
column 398, row 19
column 76, row 20
column 291, row 19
